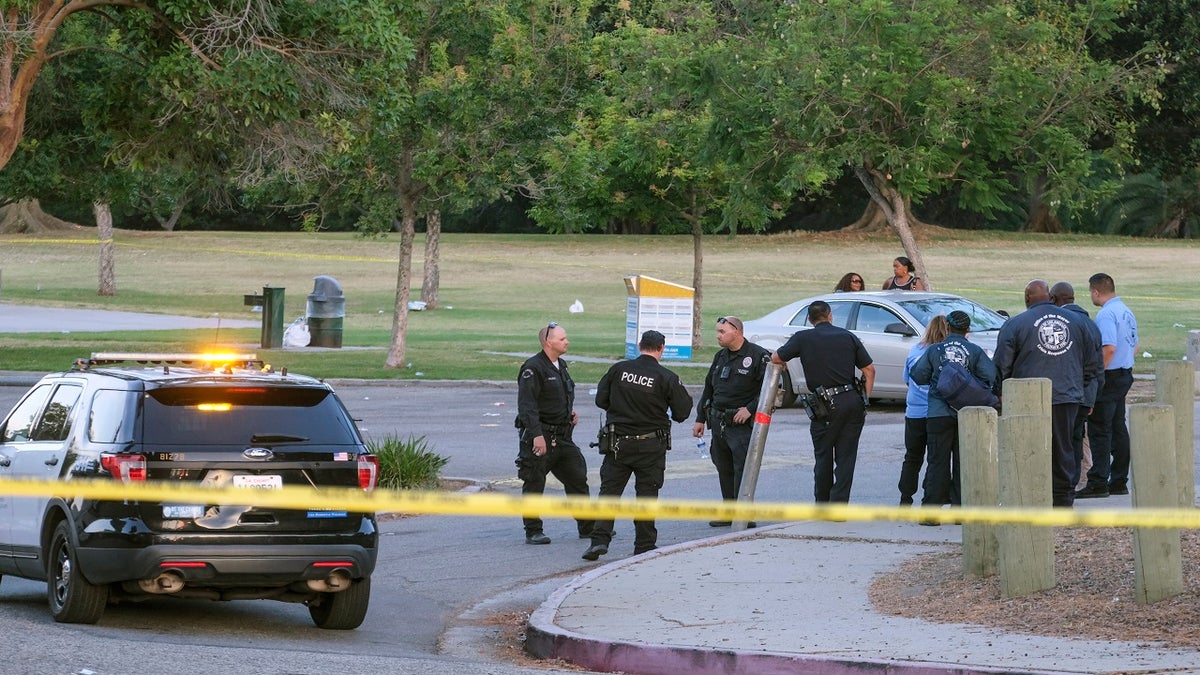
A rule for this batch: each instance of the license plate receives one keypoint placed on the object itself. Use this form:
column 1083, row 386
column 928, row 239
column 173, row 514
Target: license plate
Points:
column 182, row 511
column 267, row 482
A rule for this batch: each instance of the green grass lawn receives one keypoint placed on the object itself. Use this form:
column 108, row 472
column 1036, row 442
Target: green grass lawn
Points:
column 498, row 290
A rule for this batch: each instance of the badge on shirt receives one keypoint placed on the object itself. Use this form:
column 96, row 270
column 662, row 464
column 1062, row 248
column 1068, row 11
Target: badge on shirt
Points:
column 747, row 362
column 526, row 374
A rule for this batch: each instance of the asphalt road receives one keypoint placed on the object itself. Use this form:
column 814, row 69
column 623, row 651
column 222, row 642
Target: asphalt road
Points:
column 444, row 585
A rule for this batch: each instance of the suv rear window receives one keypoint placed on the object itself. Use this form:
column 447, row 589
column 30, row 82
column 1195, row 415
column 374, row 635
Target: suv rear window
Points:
column 233, row 415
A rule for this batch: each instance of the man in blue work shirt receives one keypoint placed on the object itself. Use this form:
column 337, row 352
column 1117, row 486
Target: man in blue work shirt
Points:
column 1107, row 432
column 1046, row 341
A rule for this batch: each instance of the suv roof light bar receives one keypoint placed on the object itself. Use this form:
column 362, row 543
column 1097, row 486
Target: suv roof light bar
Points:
column 213, row 360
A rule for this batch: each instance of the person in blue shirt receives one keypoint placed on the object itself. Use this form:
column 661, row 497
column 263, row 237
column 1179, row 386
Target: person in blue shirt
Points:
column 916, row 410
column 941, row 479
column 1107, row 432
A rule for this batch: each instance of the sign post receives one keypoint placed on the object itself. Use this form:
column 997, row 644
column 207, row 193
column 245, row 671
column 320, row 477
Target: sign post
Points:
column 653, row 304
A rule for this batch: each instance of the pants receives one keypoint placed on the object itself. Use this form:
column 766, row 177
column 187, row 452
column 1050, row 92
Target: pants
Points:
column 1062, row 453
column 942, row 478
column 647, row 461
column 565, row 461
column 835, row 448
column 1107, row 431
column 731, row 442
column 1077, row 432
column 916, row 437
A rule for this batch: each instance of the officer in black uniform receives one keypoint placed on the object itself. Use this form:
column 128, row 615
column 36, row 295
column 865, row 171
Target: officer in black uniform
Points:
column 728, row 403
column 829, row 355
column 546, row 418
column 638, row 395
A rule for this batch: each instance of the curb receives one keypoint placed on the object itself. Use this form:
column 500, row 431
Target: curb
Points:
column 546, row 640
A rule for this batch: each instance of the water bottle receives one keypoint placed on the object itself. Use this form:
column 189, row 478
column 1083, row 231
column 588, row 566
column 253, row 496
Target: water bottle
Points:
column 702, row 447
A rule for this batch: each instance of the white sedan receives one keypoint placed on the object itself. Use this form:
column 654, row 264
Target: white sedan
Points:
column 889, row 323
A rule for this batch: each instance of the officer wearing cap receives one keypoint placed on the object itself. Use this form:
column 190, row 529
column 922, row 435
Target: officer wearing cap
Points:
column 1047, row 341
column 546, row 419
column 942, row 482
column 829, row 355
column 728, row 404
column 641, row 398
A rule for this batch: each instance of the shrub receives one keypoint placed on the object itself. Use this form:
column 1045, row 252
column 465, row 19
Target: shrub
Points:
column 407, row 464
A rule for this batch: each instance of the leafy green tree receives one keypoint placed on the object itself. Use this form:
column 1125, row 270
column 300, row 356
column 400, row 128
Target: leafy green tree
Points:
column 914, row 97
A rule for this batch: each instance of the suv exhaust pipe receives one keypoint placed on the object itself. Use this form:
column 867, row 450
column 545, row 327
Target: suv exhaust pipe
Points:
column 165, row 583
column 338, row 580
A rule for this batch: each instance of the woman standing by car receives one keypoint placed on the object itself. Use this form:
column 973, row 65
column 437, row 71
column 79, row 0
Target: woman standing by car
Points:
column 903, row 277
column 850, row 282
column 916, row 410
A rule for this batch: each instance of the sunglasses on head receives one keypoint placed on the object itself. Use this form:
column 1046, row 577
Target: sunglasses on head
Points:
column 552, row 324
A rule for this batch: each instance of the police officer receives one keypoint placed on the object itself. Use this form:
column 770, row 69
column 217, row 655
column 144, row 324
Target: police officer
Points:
column 1062, row 294
column 1046, row 341
column 1107, row 432
column 728, row 403
column 829, row 355
column 546, row 418
column 638, row 395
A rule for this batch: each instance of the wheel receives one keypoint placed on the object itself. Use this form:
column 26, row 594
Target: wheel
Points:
column 344, row 610
column 787, row 395
column 72, row 598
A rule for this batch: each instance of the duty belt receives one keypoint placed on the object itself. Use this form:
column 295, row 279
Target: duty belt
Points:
column 834, row 391
column 643, row 437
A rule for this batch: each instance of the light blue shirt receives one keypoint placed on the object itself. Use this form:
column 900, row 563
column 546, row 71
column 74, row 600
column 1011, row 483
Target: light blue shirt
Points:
column 1118, row 328
column 916, row 404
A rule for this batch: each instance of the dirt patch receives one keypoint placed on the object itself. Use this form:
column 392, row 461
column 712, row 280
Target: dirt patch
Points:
column 507, row 642
column 445, row 485
column 1093, row 598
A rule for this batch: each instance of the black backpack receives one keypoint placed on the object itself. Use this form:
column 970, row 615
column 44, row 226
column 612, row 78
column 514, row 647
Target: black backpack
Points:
column 959, row 388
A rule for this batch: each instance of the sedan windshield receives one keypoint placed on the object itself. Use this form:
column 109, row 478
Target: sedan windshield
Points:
column 982, row 318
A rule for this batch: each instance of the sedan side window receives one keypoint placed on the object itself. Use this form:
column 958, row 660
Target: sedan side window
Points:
column 839, row 314
column 874, row 319
column 23, row 418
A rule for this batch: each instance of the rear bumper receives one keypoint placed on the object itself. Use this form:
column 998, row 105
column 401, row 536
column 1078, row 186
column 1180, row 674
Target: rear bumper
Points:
column 227, row 564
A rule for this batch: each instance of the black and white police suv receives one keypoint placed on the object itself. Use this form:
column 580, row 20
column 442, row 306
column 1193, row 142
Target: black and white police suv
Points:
column 194, row 420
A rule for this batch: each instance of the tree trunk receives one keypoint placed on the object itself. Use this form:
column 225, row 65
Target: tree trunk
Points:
column 872, row 219
column 433, row 239
column 894, row 208
column 27, row 216
column 104, row 229
column 170, row 222
column 1040, row 218
column 408, row 228
column 697, row 283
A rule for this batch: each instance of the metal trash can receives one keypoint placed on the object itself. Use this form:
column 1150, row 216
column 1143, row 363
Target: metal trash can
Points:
column 326, row 311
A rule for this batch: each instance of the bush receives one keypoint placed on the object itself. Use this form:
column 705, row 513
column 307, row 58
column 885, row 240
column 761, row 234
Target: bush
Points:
column 407, row 464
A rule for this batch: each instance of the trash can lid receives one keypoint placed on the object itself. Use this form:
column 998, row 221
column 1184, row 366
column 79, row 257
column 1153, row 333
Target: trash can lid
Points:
column 325, row 287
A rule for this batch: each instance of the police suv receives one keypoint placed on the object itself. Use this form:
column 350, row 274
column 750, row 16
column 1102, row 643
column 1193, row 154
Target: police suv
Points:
column 188, row 420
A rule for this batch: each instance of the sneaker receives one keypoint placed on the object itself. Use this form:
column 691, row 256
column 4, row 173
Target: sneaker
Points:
column 1093, row 491
column 595, row 551
column 1118, row 489
column 537, row 538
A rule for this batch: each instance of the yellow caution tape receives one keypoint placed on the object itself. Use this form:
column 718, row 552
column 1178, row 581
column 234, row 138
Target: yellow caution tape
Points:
column 490, row 504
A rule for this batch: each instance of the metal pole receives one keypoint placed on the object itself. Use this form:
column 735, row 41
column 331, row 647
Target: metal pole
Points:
column 758, row 436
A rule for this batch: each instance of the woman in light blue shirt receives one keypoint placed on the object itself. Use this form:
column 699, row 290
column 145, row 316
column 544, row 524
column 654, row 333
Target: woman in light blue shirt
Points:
column 916, row 410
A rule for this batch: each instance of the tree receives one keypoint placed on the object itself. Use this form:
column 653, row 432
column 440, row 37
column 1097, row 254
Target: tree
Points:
column 635, row 152
column 916, row 97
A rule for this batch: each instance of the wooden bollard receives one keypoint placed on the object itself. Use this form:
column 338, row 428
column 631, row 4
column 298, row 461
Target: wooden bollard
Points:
column 1173, row 383
column 1026, row 561
column 980, row 486
column 1157, row 559
column 1028, row 396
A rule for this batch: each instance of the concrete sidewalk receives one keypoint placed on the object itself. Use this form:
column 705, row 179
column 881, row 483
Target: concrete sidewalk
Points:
column 792, row 598
column 31, row 319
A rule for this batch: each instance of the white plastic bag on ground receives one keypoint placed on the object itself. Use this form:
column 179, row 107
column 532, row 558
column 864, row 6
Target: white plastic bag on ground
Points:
column 297, row 334
column 576, row 307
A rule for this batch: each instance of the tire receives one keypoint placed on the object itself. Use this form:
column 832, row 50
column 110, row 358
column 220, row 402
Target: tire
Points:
column 787, row 395
column 344, row 610
column 73, row 599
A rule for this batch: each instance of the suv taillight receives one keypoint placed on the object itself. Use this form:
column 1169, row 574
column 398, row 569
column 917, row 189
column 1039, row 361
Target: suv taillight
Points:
column 368, row 472
column 125, row 468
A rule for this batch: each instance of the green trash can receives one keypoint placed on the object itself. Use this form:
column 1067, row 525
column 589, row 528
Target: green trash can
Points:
column 326, row 311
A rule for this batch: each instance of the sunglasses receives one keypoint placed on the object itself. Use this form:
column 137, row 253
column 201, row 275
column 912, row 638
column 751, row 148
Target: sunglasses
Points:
column 552, row 324
column 732, row 321
column 856, row 281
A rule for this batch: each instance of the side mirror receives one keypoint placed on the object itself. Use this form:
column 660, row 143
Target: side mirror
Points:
column 900, row 328
column 1003, row 313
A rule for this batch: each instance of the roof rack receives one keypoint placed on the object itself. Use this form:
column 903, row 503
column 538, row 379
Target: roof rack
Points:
column 215, row 360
